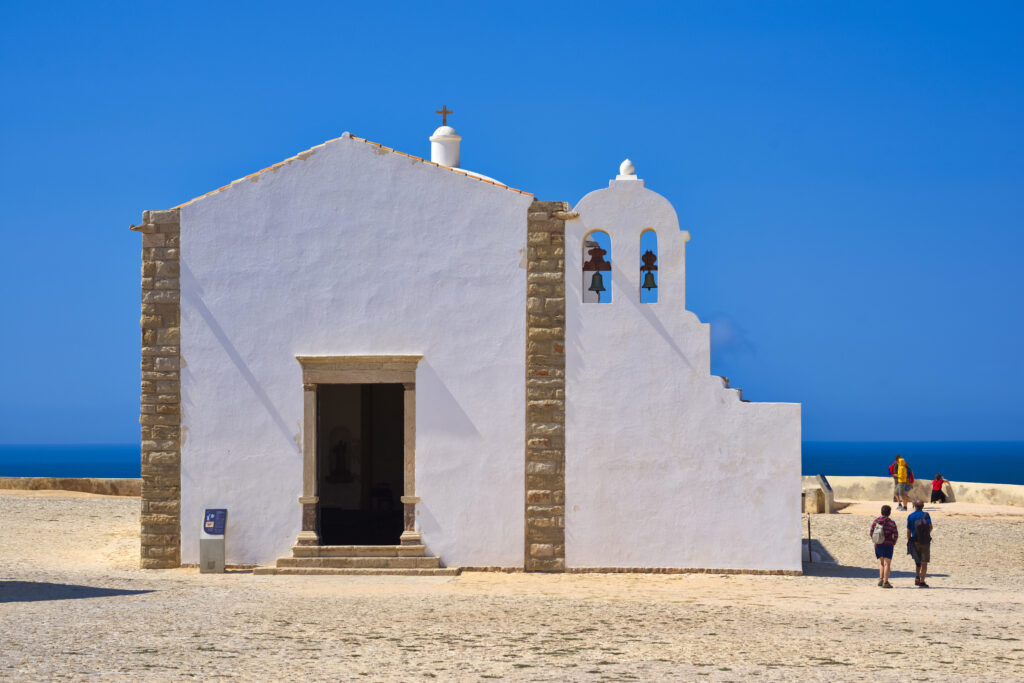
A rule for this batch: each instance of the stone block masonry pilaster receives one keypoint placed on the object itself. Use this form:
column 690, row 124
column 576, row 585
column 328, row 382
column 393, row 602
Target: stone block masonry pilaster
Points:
column 545, row 387
column 160, row 405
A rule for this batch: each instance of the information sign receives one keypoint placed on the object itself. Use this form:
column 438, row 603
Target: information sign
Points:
column 214, row 522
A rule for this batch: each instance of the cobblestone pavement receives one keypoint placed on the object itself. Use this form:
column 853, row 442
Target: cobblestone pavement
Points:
column 73, row 605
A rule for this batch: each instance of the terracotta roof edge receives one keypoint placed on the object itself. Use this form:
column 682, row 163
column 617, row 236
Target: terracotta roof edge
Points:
column 447, row 168
column 347, row 135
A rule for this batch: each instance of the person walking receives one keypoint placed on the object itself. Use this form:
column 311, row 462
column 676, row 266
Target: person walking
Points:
column 902, row 489
column 884, row 534
column 938, row 495
column 895, row 481
column 919, row 529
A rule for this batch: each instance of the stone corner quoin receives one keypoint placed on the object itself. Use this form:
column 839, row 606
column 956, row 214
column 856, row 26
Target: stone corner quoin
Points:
column 545, row 387
column 160, row 403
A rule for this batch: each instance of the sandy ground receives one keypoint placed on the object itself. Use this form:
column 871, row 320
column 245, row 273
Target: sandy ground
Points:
column 73, row 605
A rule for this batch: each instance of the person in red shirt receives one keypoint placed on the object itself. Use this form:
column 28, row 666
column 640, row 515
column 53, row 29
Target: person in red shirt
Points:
column 938, row 495
column 888, row 535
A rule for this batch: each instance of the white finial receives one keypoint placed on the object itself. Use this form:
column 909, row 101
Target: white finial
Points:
column 444, row 147
column 626, row 171
column 444, row 143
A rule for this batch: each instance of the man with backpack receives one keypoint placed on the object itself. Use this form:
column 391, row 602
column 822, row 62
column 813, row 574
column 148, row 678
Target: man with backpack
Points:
column 919, row 528
column 903, row 479
column 884, row 534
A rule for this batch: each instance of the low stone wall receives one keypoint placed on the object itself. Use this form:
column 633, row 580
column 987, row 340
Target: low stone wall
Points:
column 103, row 487
column 880, row 488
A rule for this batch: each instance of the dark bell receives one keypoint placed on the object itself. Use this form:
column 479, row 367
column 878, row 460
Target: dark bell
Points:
column 649, row 282
column 597, row 283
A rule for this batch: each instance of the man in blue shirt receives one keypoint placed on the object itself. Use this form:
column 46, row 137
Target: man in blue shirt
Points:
column 919, row 529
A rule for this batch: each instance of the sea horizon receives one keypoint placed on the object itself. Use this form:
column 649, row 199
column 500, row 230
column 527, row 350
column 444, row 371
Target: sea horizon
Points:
column 983, row 462
column 989, row 462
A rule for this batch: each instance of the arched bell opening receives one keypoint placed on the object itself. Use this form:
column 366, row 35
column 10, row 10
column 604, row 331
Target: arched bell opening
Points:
column 649, row 267
column 597, row 268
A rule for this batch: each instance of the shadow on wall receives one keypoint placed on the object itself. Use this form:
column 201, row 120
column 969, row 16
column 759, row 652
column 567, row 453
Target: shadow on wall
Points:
column 437, row 410
column 193, row 293
column 35, row 591
column 648, row 312
column 645, row 309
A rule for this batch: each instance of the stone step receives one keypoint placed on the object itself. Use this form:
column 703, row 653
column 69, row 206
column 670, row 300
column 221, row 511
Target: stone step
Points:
column 327, row 571
column 359, row 551
column 361, row 562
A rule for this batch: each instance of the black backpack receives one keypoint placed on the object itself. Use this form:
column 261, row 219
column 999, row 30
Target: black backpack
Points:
column 922, row 530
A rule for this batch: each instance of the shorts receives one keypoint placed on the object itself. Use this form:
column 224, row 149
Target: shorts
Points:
column 923, row 551
column 883, row 550
column 897, row 489
column 938, row 497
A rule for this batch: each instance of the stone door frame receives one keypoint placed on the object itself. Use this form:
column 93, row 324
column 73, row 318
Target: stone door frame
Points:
column 318, row 370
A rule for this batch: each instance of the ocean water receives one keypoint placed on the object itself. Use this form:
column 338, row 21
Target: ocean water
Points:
column 81, row 460
column 990, row 462
column 994, row 462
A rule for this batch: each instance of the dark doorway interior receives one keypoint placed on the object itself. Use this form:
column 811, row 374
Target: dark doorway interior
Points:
column 360, row 455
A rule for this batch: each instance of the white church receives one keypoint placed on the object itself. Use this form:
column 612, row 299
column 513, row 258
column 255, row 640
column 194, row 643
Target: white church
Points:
column 383, row 364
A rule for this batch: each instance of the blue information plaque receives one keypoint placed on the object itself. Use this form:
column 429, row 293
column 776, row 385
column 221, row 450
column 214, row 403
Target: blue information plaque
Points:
column 214, row 522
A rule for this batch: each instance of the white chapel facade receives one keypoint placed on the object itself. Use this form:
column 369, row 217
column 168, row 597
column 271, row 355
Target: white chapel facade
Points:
column 377, row 362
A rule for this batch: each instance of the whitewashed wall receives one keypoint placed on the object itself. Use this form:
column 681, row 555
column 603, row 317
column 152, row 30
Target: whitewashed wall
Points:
column 664, row 466
column 354, row 250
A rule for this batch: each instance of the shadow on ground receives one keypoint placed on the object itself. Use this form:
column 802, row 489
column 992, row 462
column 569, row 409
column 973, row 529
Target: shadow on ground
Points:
column 825, row 564
column 848, row 572
column 818, row 553
column 34, row 591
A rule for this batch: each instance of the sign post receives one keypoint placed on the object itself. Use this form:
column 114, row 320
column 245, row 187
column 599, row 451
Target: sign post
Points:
column 211, row 541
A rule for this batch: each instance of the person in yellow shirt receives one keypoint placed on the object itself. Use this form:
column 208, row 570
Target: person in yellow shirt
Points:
column 902, row 490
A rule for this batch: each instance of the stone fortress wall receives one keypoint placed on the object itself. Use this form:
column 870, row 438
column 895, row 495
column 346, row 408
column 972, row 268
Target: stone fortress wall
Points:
column 104, row 487
column 880, row 489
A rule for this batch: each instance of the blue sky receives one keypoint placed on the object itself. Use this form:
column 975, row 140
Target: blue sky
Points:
column 851, row 174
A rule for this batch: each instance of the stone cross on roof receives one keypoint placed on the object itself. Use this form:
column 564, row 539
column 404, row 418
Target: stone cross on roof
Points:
column 444, row 111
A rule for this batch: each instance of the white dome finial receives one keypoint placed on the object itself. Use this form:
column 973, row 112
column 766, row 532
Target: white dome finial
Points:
column 444, row 147
column 626, row 171
column 444, row 143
